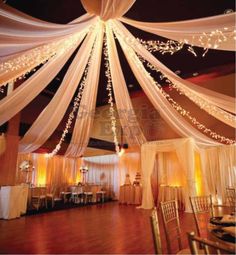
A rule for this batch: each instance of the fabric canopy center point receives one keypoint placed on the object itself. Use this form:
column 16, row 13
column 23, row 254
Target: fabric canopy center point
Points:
column 107, row 9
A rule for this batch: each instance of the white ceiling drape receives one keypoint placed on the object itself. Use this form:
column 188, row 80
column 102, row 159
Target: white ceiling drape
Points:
column 51, row 116
column 107, row 9
column 84, row 120
column 220, row 100
column 195, row 32
column 22, row 38
column 28, row 90
column 127, row 117
column 20, row 32
column 176, row 121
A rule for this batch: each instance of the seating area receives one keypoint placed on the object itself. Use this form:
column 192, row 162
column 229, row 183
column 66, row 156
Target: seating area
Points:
column 206, row 241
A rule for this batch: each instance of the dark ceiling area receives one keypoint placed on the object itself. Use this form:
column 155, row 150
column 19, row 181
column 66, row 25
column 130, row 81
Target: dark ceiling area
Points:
column 64, row 11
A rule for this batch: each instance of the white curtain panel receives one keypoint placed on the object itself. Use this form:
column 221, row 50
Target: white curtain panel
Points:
column 185, row 152
column 219, row 169
column 53, row 113
column 124, row 105
column 220, row 100
column 28, row 90
column 84, row 120
column 192, row 30
column 104, row 170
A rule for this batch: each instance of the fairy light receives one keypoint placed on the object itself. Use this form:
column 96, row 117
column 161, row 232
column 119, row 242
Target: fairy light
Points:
column 184, row 112
column 76, row 104
column 170, row 46
column 203, row 104
column 27, row 62
column 194, row 97
column 174, row 104
column 110, row 96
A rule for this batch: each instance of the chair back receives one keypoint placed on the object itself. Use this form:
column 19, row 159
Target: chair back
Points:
column 170, row 216
column 207, row 246
column 199, row 205
column 231, row 197
column 156, row 231
column 38, row 191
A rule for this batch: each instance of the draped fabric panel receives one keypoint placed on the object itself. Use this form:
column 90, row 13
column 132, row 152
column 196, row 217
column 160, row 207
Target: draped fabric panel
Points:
column 51, row 116
column 84, row 121
column 104, row 170
column 129, row 124
column 223, row 101
column 29, row 89
column 54, row 171
column 176, row 121
column 184, row 148
column 2, row 143
column 219, row 169
column 107, row 9
column 193, row 31
column 20, row 32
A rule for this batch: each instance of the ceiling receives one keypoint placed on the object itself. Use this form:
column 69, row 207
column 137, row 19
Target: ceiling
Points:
column 61, row 11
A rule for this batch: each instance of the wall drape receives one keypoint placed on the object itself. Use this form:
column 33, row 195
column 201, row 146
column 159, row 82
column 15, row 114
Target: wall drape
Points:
column 219, row 169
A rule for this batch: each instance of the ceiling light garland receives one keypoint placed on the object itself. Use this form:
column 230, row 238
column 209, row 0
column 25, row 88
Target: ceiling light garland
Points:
column 170, row 46
column 28, row 61
column 174, row 104
column 203, row 104
column 179, row 108
column 76, row 104
column 110, row 97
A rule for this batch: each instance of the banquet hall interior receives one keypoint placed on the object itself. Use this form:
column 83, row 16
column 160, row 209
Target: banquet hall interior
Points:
column 117, row 127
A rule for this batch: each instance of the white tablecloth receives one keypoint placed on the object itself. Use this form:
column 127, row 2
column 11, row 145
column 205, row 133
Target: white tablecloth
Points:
column 130, row 194
column 167, row 193
column 13, row 201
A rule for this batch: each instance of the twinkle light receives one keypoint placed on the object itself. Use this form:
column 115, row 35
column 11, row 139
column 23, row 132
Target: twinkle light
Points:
column 76, row 104
column 194, row 97
column 110, row 96
column 163, row 47
column 174, row 104
column 27, row 62
column 203, row 104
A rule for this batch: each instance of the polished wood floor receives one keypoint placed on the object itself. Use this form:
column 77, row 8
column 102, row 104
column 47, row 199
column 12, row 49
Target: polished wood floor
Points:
column 107, row 228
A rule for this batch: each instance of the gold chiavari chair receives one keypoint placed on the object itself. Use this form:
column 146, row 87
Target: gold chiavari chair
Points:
column 207, row 246
column 170, row 216
column 231, row 198
column 38, row 197
column 156, row 231
column 200, row 205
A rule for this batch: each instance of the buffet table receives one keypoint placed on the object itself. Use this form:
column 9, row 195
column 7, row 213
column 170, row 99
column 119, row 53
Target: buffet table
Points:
column 167, row 193
column 13, row 201
column 130, row 194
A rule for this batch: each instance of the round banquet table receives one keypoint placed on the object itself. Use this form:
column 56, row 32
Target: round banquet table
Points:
column 130, row 194
column 218, row 234
column 167, row 193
